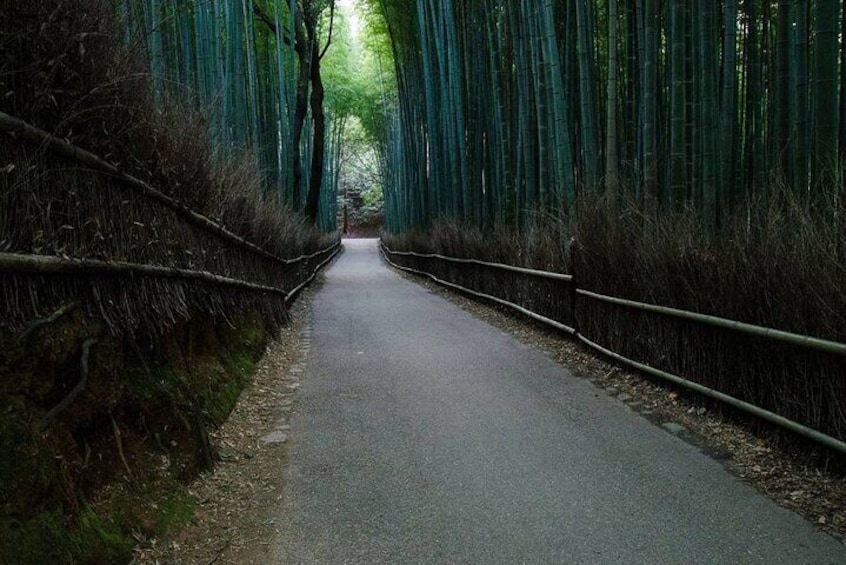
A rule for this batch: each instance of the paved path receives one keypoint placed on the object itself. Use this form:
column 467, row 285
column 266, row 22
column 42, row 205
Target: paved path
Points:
column 423, row 435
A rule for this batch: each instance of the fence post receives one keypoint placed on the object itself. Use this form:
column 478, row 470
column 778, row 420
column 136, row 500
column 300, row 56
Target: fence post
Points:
column 573, row 248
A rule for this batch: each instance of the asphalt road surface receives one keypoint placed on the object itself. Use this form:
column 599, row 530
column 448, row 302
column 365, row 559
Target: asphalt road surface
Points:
column 423, row 435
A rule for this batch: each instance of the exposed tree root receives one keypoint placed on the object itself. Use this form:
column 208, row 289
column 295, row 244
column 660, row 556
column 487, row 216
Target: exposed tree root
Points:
column 40, row 323
column 201, row 436
column 51, row 416
column 121, row 454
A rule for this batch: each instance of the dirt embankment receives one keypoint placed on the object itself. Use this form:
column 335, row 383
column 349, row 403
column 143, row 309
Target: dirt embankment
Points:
column 100, row 434
column 235, row 520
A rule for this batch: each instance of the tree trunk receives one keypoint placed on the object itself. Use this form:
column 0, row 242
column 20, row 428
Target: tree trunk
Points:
column 319, row 147
column 303, row 50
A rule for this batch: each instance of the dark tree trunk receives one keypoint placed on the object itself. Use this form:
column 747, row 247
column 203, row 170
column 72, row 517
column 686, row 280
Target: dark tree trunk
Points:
column 319, row 147
column 304, row 53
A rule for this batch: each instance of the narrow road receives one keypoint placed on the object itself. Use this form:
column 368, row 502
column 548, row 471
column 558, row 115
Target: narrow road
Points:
column 423, row 435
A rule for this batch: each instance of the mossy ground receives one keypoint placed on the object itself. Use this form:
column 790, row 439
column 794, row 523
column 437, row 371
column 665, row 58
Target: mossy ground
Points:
column 112, row 471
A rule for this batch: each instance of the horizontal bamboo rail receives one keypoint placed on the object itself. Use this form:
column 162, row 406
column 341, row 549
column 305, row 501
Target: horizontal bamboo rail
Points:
column 298, row 288
column 777, row 335
column 798, row 340
column 518, row 308
column 523, row 270
column 30, row 133
column 810, row 433
column 13, row 263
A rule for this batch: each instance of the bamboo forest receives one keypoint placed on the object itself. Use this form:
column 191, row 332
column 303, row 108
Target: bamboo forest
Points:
column 506, row 107
column 483, row 235
column 487, row 112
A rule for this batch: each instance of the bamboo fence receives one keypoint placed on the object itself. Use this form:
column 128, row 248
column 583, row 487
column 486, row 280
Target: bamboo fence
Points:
column 76, row 228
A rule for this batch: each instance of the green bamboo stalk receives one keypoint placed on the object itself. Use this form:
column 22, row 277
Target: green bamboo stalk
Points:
column 538, row 199
column 650, row 92
column 728, row 108
column 783, row 152
column 825, row 186
column 564, row 180
column 252, row 80
column 709, row 114
column 678, row 156
column 590, row 144
column 612, row 171
column 799, row 142
column 155, row 46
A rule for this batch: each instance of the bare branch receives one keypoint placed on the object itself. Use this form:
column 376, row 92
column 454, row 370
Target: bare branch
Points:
column 50, row 418
column 331, row 29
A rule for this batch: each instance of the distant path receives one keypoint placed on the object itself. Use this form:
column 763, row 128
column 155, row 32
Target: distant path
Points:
column 423, row 435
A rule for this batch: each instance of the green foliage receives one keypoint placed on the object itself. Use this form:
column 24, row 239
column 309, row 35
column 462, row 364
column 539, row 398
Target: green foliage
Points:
column 94, row 536
column 174, row 511
column 341, row 69
column 103, row 540
column 49, row 537
column 222, row 391
column 374, row 198
column 237, row 351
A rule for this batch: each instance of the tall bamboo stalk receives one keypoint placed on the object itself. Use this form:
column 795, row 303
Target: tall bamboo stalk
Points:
column 706, row 105
column 825, row 184
column 612, row 171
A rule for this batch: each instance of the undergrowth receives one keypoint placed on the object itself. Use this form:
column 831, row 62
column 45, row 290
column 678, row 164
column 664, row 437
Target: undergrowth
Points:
column 93, row 486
